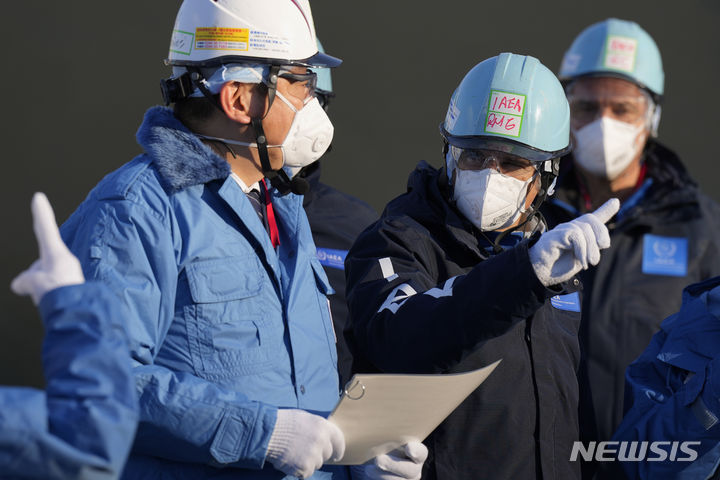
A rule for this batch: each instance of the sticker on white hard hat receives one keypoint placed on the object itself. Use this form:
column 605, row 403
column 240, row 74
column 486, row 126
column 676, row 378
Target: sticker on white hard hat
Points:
column 505, row 113
column 181, row 42
column 219, row 38
column 269, row 43
column 620, row 53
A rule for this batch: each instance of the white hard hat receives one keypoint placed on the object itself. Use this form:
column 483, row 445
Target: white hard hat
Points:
column 208, row 33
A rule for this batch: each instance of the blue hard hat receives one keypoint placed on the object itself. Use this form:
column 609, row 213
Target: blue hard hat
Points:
column 510, row 103
column 617, row 48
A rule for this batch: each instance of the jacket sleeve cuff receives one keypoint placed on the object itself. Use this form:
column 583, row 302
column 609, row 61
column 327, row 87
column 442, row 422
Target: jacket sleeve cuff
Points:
column 56, row 301
column 244, row 435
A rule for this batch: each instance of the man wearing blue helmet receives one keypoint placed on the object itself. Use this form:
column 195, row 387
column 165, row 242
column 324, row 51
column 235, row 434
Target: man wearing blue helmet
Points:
column 460, row 272
column 665, row 234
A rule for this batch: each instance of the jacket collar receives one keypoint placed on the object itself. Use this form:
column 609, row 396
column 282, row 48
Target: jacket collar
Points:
column 180, row 158
column 671, row 186
column 427, row 203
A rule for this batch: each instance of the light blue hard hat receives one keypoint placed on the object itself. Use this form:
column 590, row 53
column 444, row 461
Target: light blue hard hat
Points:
column 324, row 79
column 617, row 48
column 510, row 103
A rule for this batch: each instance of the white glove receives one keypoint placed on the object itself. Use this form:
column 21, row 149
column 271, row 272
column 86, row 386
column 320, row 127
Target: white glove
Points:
column 301, row 442
column 56, row 267
column 573, row 246
column 405, row 462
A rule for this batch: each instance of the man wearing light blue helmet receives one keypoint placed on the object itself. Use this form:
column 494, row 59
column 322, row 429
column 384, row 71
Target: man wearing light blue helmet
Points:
column 460, row 272
column 665, row 235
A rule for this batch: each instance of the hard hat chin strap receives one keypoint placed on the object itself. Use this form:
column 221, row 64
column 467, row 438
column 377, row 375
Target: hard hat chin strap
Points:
column 278, row 178
column 181, row 87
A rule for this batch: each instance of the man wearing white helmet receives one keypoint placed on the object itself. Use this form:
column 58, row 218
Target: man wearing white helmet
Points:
column 459, row 272
column 230, row 331
column 665, row 235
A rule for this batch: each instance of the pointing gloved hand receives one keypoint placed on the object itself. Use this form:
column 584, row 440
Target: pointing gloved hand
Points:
column 301, row 442
column 56, row 267
column 404, row 462
column 570, row 247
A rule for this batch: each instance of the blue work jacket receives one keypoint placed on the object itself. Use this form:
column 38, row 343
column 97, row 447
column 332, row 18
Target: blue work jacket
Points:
column 82, row 426
column 673, row 392
column 224, row 328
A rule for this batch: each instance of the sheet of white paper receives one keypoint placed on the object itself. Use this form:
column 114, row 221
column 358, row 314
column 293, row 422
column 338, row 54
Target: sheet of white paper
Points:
column 380, row 412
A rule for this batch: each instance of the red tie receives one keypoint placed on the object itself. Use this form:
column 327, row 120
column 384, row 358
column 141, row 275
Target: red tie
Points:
column 270, row 215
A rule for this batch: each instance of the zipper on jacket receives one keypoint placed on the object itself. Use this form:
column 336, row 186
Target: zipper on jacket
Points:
column 528, row 342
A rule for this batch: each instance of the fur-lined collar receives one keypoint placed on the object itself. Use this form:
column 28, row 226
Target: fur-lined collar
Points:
column 179, row 156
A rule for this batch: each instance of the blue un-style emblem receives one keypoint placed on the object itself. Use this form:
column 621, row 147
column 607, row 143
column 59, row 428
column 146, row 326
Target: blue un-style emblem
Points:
column 665, row 255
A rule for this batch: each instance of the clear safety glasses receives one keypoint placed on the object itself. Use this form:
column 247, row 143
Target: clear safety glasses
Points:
column 629, row 109
column 300, row 85
column 505, row 163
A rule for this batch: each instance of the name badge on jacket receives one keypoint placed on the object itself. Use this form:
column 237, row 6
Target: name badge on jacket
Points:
column 332, row 258
column 665, row 255
column 569, row 302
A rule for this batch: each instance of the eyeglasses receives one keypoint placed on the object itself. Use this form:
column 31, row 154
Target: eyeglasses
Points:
column 300, row 85
column 628, row 109
column 505, row 163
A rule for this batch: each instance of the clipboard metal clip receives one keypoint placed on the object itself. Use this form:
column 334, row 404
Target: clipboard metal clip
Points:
column 352, row 387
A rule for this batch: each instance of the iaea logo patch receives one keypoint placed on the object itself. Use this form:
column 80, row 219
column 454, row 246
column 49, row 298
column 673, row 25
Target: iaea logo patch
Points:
column 665, row 255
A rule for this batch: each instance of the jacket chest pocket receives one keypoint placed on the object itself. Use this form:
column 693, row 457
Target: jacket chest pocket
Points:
column 231, row 328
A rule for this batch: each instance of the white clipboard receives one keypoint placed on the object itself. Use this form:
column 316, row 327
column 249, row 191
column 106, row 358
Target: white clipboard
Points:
column 380, row 412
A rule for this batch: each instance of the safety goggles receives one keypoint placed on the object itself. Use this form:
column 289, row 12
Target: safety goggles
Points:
column 300, row 85
column 625, row 108
column 505, row 163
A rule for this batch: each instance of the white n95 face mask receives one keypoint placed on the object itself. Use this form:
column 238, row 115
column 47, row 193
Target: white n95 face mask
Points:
column 310, row 135
column 308, row 138
column 489, row 199
column 606, row 147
